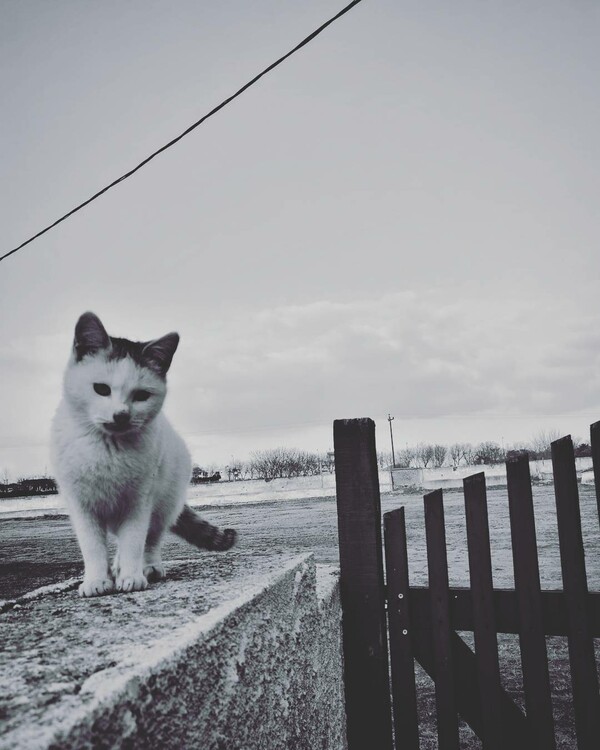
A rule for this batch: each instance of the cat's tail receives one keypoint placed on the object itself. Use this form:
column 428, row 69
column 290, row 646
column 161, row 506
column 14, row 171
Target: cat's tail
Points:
column 195, row 530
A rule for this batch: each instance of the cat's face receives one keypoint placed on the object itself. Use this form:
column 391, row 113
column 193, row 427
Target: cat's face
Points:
column 116, row 386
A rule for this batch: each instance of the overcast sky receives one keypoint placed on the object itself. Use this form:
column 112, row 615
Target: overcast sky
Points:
column 401, row 218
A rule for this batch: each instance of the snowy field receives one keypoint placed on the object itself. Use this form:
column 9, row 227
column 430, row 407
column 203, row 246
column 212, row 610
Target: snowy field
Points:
column 205, row 495
column 257, row 491
column 43, row 551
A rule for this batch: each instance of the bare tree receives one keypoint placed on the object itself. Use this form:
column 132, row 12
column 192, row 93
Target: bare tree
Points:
column 520, row 445
column 284, row 462
column 384, row 458
column 327, row 462
column 264, row 465
column 424, row 454
column 458, row 452
column 539, row 445
column 468, row 454
column 439, row 455
column 583, row 450
column 237, row 470
column 489, row 453
column 405, row 457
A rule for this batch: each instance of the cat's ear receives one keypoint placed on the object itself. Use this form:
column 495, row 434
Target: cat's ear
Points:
column 90, row 336
column 158, row 354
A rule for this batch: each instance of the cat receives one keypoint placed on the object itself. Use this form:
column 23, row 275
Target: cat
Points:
column 120, row 465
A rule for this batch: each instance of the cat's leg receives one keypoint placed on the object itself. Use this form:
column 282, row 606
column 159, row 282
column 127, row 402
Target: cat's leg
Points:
column 115, row 567
column 92, row 542
column 154, row 570
column 131, row 537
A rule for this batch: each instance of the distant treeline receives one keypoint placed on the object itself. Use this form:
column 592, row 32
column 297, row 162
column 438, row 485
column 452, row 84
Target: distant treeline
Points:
column 276, row 463
column 28, row 487
column 430, row 455
column 289, row 462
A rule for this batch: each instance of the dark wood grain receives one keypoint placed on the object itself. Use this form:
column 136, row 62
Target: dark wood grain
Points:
column 584, row 679
column 404, row 697
column 534, row 657
column 447, row 717
column 366, row 677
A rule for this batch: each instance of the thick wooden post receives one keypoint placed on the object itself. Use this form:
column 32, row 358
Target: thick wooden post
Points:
column 595, row 443
column 584, row 677
column 534, row 658
column 366, row 676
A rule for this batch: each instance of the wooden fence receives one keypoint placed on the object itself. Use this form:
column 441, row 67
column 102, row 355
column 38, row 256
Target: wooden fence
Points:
column 421, row 623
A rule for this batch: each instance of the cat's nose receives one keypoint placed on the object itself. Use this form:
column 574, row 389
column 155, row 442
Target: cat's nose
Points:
column 121, row 418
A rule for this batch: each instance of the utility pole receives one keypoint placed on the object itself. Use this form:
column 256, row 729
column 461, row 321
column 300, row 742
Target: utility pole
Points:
column 390, row 420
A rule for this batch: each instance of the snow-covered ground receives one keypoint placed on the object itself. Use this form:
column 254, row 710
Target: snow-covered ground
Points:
column 446, row 477
column 259, row 491
column 203, row 495
column 40, row 505
column 279, row 490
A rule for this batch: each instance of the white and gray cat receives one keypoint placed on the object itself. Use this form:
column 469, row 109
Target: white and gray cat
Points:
column 121, row 466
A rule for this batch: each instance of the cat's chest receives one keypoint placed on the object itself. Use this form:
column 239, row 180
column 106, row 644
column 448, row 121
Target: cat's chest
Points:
column 111, row 467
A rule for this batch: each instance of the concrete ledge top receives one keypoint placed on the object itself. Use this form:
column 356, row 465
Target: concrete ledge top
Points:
column 328, row 577
column 60, row 653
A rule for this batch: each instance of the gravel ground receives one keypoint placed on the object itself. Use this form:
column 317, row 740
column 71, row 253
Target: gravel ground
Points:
column 40, row 551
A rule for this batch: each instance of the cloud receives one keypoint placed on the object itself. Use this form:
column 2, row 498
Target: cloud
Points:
column 429, row 356
column 30, row 372
column 422, row 355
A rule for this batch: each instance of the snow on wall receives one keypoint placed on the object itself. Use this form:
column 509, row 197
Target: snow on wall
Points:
column 236, row 651
column 446, row 477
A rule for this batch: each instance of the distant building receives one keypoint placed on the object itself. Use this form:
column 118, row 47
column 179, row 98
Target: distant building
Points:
column 26, row 487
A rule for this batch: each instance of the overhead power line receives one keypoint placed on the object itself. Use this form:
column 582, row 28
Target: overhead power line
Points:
column 224, row 103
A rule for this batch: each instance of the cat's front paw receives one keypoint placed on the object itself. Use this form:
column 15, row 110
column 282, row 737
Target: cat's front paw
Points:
column 96, row 587
column 155, row 572
column 115, row 568
column 131, row 583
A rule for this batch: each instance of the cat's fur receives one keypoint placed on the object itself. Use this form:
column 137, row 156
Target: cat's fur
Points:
column 121, row 466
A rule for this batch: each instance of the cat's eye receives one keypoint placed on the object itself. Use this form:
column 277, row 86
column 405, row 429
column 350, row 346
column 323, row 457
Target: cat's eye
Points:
column 140, row 396
column 102, row 389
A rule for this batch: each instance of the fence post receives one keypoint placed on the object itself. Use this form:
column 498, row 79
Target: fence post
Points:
column 439, row 596
column 484, row 618
column 584, row 678
column 404, row 694
column 534, row 658
column 366, row 676
column 595, row 443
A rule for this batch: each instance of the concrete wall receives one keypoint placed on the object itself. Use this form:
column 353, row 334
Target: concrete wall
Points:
column 407, row 478
column 234, row 651
column 446, row 477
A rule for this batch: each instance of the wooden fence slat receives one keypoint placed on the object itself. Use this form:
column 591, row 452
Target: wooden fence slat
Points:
column 554, row 610
column 534, row 658
column 366, row 677
column 404, row 696
column 595, row 443
column 437, row 562
column 584, row 679
column 516, row 730
column 484, row 621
